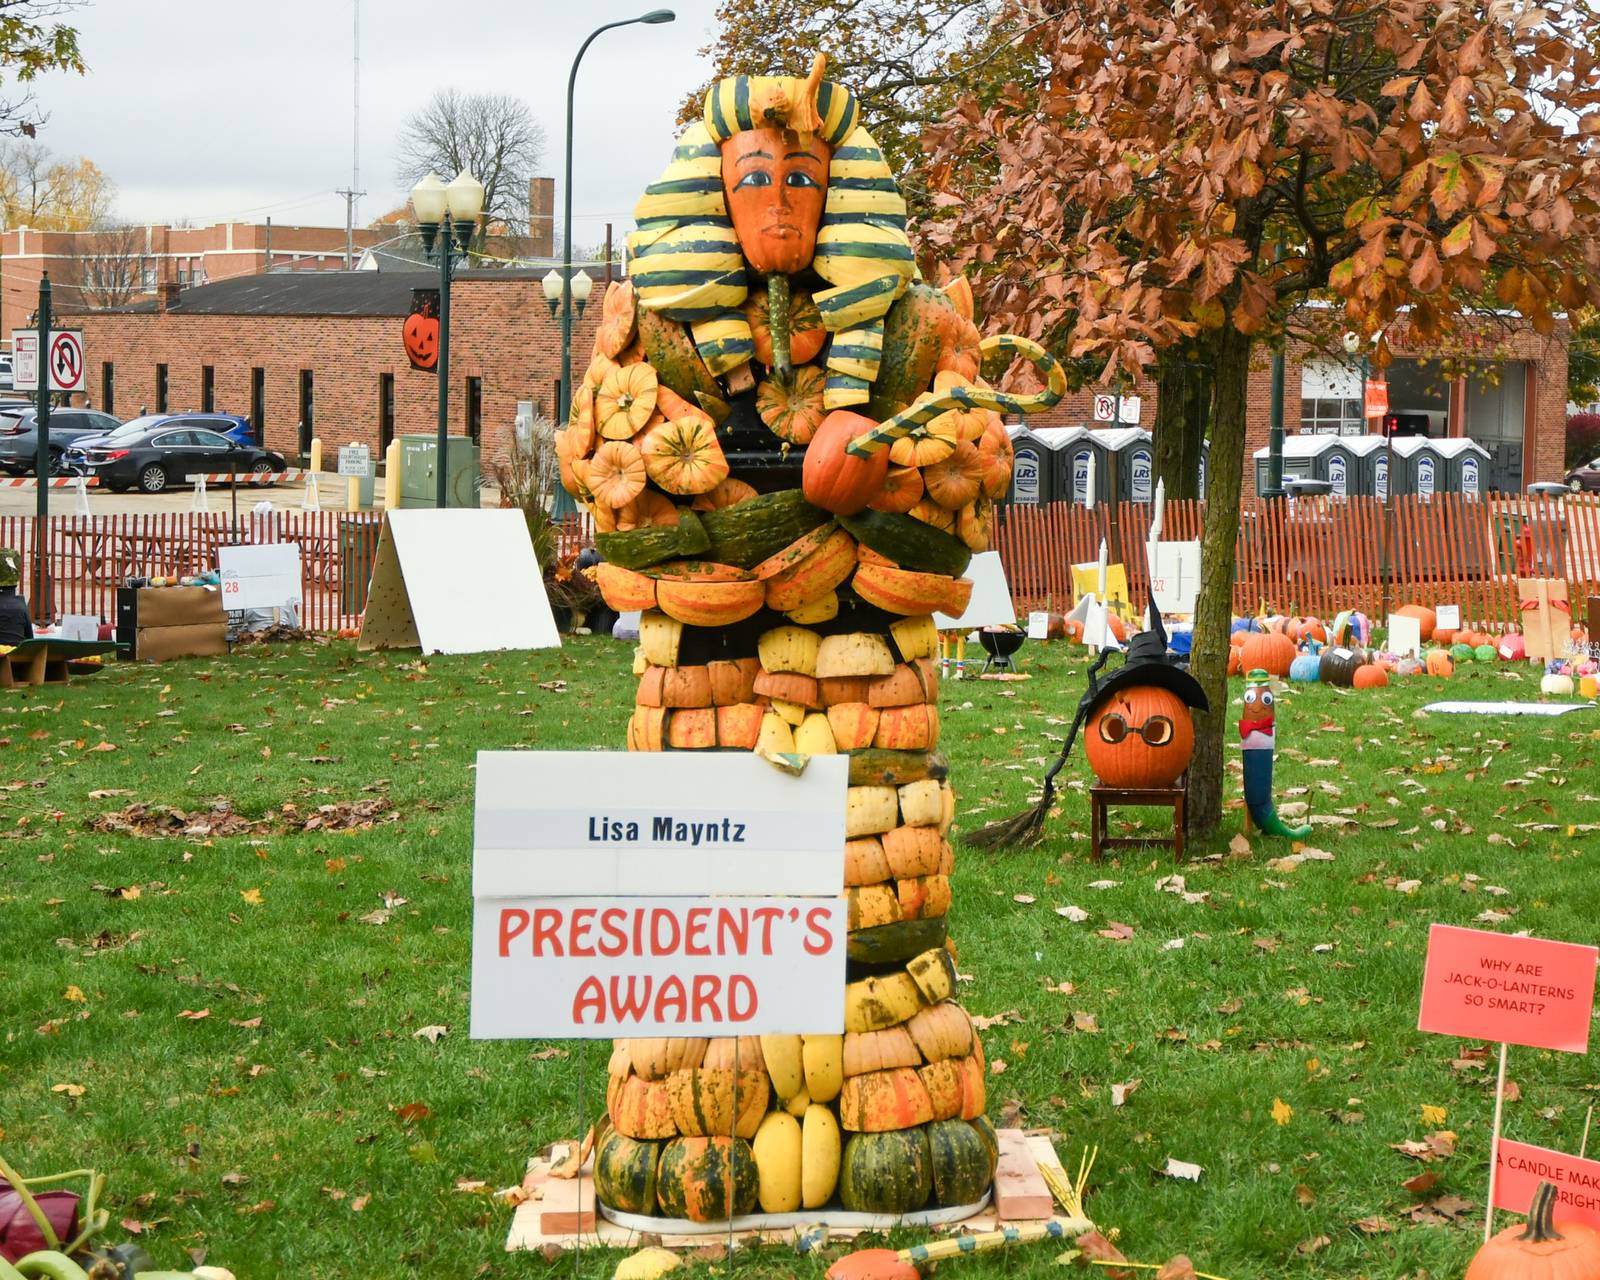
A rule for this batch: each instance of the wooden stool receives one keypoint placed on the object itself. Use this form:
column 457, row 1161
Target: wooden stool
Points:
column 1102, row 797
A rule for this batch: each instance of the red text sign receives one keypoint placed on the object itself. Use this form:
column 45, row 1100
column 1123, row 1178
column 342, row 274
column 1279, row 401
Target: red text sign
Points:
column 594, row 968
column 1517, row 990
column 1521, row 1168
column 1377, row 397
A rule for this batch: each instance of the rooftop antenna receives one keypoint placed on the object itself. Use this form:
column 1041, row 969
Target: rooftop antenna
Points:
column 353, row 192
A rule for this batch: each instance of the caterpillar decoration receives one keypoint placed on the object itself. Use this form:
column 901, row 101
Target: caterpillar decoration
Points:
column 1258, row 732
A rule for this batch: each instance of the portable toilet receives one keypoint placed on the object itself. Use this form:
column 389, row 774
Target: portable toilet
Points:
column 1347, row 465
column 1301, row 459
column 1205, row 462
column 1419, row 467
column 1070, row 450
column 1031, row 482
column 1466, row 465
column 1129, row 464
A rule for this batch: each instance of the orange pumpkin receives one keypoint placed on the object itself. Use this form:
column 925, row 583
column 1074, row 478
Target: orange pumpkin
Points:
column 926, row 445
column 624, row 400
column 834, row 479
column 1303, row 629
column 616, row 319
column 775, row 181
column 902, row 490
column 806, row 334
column 1425, row 616
column 1269, row 651
column 683, row 455
column 995, row 452
column 975, row 523
column 616, row 473
column 1141, row 736
column 580, row 422
column 930, row 512
column 1370, row 675
column 969, row 423
column 729, row 493
column 1537, row 1250
column 956, row 480
column 421, row 336
column 793, row 411
column 1439, row 663
column 960, row 354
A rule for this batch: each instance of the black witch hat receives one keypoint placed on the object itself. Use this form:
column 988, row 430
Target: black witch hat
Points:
column 1146, row 665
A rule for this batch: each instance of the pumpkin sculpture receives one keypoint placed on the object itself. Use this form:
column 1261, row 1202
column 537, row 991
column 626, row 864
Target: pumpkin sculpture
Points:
column 790, row 457
column 1259, row 739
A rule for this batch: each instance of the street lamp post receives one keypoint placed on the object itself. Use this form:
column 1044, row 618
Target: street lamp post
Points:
column 1352, row 346
column 452, row 210
column 568, row 295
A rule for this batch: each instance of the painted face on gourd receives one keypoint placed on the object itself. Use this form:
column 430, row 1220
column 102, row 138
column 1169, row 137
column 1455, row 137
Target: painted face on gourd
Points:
column 1258, row 715
column 776, row 181
column 1140, row 737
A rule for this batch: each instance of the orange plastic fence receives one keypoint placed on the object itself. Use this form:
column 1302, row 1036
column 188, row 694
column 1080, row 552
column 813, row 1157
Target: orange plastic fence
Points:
column 88, row 557
column 1320, row 557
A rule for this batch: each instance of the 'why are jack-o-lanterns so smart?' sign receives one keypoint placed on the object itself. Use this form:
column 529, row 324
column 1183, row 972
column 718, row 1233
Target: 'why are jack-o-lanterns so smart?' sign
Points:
column 619, row 894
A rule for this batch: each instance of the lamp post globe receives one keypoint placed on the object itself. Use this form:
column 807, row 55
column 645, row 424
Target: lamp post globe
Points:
column 551, row 284
column 428, row 199
column 582, row 287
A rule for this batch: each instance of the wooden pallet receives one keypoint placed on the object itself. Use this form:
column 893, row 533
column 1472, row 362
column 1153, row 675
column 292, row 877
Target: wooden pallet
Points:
column 559, row 1213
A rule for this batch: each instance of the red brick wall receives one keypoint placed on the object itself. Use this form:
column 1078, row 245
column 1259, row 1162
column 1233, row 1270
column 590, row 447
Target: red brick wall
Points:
column 501, row 332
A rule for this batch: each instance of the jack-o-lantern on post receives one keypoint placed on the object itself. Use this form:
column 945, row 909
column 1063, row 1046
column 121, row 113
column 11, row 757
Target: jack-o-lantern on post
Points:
column 790, row 453
column 420, row 333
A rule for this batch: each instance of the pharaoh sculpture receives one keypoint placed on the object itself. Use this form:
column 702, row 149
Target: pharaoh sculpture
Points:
column 790, row 453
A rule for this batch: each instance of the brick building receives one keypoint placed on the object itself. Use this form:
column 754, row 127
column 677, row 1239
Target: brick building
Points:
column 321, row 354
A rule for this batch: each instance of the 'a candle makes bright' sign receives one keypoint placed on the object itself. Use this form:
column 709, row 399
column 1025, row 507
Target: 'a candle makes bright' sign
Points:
column 619, row 894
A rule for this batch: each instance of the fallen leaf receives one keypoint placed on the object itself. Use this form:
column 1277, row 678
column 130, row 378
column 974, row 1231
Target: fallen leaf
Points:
column 1026, row 899
column 1120, row 1093
column 194, row 1015
column 1423, row 1182
column 1239, row 846
column 1116, row 931
column 1075, row 914
column 1182, row 1169
column 260, row 1206
column 1304, row 1195
column 1374, row 1225
column 104, row 746
column 412, row 1112
column 997, row 1020
column 1282, row 1112
column 1082, row 1021
column 75, row 995
column 1313, row 1245
column 432, row 1034
column 252, row 896
column 1434, row 1115
column 1176, row 1268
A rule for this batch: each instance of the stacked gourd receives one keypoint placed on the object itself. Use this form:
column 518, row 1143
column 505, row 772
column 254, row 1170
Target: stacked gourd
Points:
column 770, row 623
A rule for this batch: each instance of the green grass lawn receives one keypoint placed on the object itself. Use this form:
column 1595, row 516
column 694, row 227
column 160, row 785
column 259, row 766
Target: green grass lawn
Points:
column 240, row 1011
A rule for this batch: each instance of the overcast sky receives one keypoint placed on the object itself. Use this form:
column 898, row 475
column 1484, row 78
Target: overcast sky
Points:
column 217, row 109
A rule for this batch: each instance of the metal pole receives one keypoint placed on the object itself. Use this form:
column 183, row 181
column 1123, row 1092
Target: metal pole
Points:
column 446, row 244
column 1275, row 437
column 42, row 445
column 1388, row 494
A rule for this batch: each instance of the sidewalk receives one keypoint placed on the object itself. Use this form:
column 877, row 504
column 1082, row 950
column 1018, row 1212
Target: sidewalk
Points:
column 331, row 494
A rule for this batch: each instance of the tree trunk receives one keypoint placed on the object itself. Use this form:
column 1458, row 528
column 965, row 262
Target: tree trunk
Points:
column 1214, row 609
column 1180, row 424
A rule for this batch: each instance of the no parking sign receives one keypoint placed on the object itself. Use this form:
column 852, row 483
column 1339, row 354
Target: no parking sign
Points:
column 64, row 365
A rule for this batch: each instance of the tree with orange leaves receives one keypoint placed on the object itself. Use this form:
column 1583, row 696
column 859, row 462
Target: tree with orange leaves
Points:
column 1182, row 175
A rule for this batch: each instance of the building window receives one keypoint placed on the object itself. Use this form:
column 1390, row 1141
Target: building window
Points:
column 307, row 407
column 258, row 404
column 147, row 274
column 1331, row 399
column 208, row 389
column 161, row 388
column 108, row 387
column 385, row 411
column 475, row 410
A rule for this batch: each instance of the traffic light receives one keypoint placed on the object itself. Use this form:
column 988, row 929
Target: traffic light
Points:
column 1391, row 423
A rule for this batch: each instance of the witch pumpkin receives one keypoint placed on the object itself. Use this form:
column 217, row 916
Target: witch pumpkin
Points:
column 790, row 453
column 1137, row 730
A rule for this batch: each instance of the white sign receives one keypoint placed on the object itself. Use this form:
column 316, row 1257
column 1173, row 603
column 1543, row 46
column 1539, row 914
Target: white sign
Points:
column 1038, row 626
column 1105, row 408
column 620, row 894
column 1175, row 576
column 1129, row 409
column 439, row 584
column 990, row 604
column 1447, row 617
column 63, row 363
column 594, row 968
column 1380, row 476
column 546, row 825
column 1405, row 636
column 261, row 576
column 355, row 460
column 1425, row 469
column 1338, row 475
column 1469, row 477
column 1081, row 467
column 1141, row 475
column 80, row 626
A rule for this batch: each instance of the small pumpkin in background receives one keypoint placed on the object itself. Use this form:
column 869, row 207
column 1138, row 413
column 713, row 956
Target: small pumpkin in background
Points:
column 1538, row 1250
column 1439, row 663
column 1461, row 651
column 1426, row 618
column 1484, row 653
column 902, row 490
column 1338, row 666
column 1270, row 651
column 1443, row 637
column 1300, row 630
column 1304, row 668
column 1369, row 675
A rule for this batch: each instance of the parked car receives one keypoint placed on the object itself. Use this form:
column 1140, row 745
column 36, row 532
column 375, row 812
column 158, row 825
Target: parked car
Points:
column 1585, row 475
column 5, row 371
column 19, row 435
column 153, row 457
